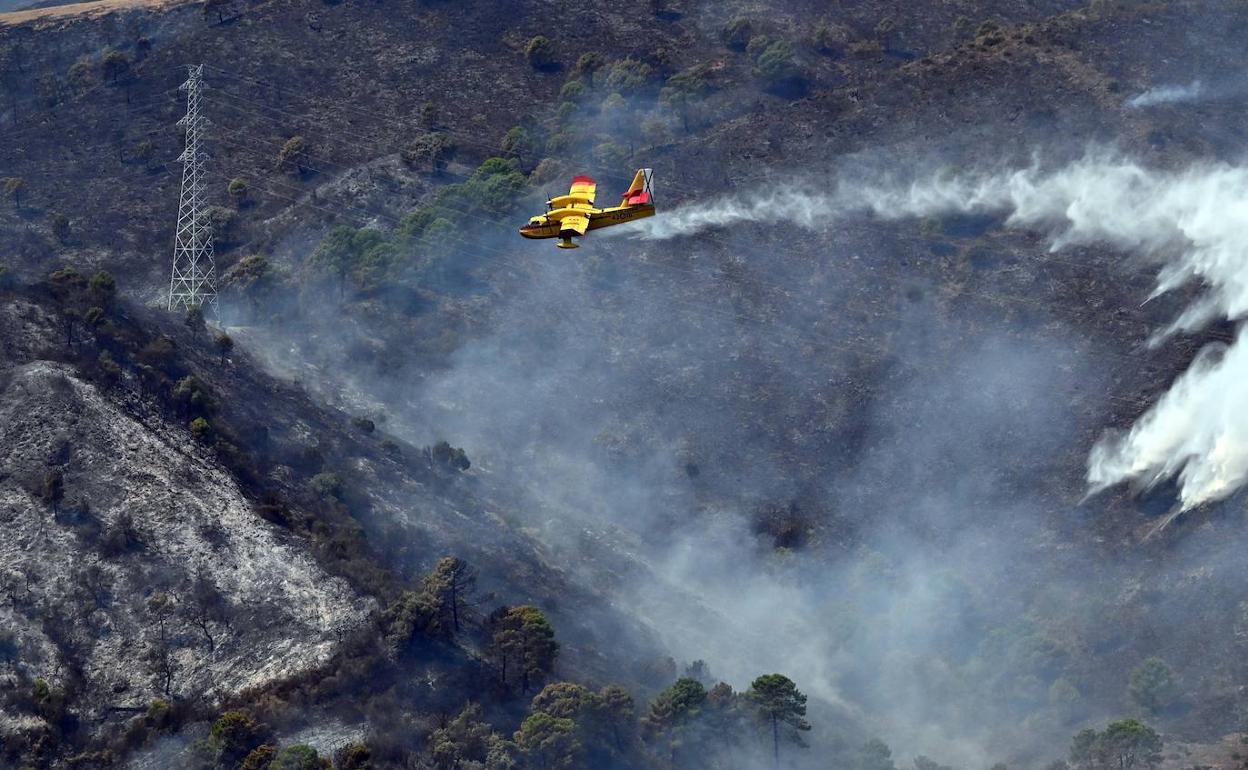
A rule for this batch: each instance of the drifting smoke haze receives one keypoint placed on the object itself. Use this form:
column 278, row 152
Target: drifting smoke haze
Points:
column 1168, row 95
column 637, row 420
column 1189, row 220
column 594, row 410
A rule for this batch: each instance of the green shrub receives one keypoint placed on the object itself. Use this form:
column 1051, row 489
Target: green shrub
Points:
column 158, row 713
column 103, row 286
column 193, row 397
column 757, row 45
column 517, row 142
column 830, row 38
column 158, row 353
column 260, row 758
column 81, row 74
column 110, row 370
column 429, row 115
column 327, row 485
column 547, row 170
column 610, row 154
column 775, row 64
column 297, row 757
column 447, row 456
column 736, row 33
column 235, row 734
column 353, row 756
column 540, row 53
column 573, row 91
column 293, row 154
column 200, row 428
column 588, row 65
column 432, row 150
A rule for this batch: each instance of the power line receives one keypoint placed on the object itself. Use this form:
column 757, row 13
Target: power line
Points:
column 192, row 284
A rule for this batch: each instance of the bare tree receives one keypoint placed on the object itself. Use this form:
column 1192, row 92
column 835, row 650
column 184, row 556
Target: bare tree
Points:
column 160, row 658
column 207, row 608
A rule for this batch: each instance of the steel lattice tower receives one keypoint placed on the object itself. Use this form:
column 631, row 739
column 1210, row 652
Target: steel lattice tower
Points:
column 194, row 269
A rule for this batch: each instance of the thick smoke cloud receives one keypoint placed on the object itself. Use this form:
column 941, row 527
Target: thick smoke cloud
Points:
column 1188, row 220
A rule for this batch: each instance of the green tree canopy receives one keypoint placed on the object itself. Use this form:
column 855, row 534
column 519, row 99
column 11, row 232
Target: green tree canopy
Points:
column 780, row 705
column 348, row 253
column 518, row 143
column 103, row 288
column 685, row 89
column 115, row 66
column 1152, row 685
column 549, row 742
column 451, row 588
column 672, row 713
column 1127, row 744
column 465, row 738
column 628, row 76
column 522, row 641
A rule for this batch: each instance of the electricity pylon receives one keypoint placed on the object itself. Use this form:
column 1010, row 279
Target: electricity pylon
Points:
column 194, row 270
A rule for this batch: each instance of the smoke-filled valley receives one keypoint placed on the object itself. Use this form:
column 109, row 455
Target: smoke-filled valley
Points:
column 919, row 392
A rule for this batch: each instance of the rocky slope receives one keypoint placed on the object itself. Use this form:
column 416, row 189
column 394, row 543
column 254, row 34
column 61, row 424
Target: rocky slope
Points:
column 110, row 510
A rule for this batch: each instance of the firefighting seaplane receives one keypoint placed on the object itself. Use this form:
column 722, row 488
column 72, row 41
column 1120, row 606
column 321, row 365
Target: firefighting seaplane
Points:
column 572, row 215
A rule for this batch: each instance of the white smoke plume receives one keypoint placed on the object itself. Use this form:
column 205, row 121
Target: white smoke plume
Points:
column 1168, row 95
column 1190, row 220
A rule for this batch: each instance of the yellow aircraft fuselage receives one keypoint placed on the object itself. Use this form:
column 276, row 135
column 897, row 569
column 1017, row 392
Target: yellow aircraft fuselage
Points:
column 574, row 214
column 548, row 225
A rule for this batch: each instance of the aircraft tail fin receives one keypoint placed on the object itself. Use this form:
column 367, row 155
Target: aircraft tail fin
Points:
column 641, row 191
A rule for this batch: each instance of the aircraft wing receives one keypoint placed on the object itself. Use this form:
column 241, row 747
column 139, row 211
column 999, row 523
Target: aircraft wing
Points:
column 583, row 188
column 581, row 195
column 577, row 224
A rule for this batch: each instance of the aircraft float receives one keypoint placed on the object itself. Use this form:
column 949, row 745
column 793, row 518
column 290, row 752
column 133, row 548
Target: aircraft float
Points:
column 573, row 215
